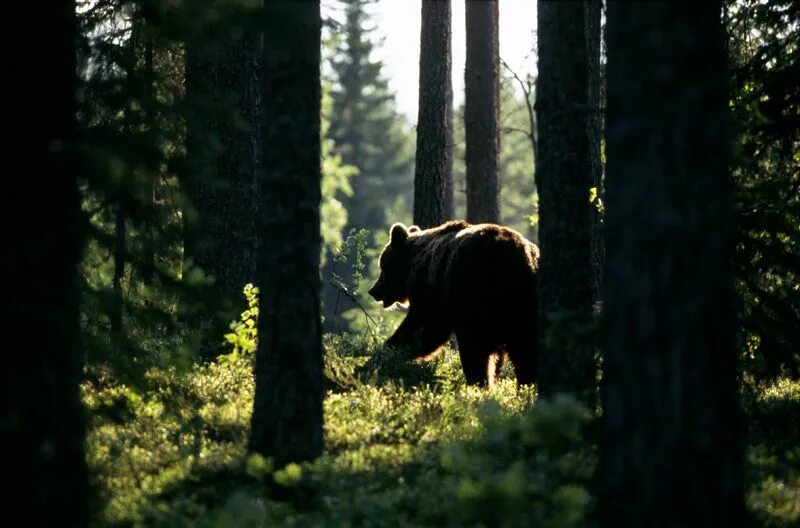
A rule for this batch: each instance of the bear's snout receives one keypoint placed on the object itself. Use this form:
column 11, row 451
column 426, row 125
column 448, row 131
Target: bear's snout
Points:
column 375, row 293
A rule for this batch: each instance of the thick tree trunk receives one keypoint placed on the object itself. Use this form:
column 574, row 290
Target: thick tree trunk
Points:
column 670, row 452
column 41, row 418
column 433, row 167
column 287, row 411
column 565, row 291
column 224, row 149
column 481, row 108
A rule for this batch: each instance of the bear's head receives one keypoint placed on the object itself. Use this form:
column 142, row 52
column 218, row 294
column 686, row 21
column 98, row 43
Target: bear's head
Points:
column 395, row 262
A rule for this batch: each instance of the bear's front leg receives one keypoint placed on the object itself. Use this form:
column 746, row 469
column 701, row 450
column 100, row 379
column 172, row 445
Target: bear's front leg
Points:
column 405, row 335
column 420, row 336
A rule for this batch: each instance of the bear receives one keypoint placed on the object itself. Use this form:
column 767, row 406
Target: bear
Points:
column 477, row 281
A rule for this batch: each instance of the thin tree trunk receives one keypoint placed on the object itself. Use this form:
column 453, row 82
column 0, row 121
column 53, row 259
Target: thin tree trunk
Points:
column 41, row 417
column 593, row 9
column 481, row 112
column 149, row 264
column 670, row 433
column 433, row 166
column 120, row 217
column 117, row 331
column 287, row 409
column 566, row 364
column 449, row 179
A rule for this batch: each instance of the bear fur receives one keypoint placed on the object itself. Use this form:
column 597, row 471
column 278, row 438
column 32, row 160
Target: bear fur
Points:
column 477, row 281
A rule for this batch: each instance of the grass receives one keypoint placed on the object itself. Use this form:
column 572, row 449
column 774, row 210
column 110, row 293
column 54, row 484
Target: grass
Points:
column 406, row 445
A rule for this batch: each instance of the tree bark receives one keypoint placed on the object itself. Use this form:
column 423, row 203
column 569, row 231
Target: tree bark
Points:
column 287, row 410
column 41, row 417
column 223, row 79
column 449, row 179
column 566, row 363
column 481, row 111
column 120, row 256
column 150, row 224
column 593, row 9
column 433, row 166
column 670, row 432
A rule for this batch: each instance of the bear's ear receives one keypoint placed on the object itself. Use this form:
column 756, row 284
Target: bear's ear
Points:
column 398, row 234
column 414, row 229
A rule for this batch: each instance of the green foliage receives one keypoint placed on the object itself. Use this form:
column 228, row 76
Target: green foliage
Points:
column 532, row 470
column 243, row 333
column 371, row 136
column 773, row 455
column 130, row 114
column 336, row 176
column 399, row 449
column 407, row 443
column 369, row 132
column 353, row 254
column 764, row 46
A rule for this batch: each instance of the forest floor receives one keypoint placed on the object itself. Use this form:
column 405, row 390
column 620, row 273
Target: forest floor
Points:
column 406, row 445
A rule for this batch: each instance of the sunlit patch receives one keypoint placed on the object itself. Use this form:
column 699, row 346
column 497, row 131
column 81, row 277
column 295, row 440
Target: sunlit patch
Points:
column 398, row 306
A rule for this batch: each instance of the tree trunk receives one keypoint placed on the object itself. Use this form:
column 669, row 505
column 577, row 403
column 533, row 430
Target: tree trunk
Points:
column 481, row 107
column 150, row 224
column 593, row 9
column 433, row 167
column 224, row 150
column 287, row 411
column 41, row 417
column 449, row 180
column 117, row 308
column 670, row 433
column 566, row 362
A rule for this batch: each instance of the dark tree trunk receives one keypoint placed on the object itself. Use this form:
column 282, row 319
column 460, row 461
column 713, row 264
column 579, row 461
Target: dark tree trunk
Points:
column 117, row 330
column 593, row 9
column 449, row 180
column 566, row 363
column 117, row 335
column 670, row 433
column 433, row 165
column 287, row 411
column 223, row 78
column 481, row 107
column 150, row 225
column 41, row 418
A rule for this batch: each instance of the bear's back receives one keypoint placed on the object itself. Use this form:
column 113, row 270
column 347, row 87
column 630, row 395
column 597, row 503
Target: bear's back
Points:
column 491, row 276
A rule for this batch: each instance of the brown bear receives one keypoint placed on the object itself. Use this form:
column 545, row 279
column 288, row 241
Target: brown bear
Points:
column 477, row 281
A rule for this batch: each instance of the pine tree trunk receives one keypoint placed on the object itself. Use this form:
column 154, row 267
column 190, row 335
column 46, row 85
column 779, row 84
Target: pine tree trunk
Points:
column 433, row 168
column 593, row 9
column 41, row 417
column 287, row 410
column 481, row 107
column 224, row 149
column 449, row 180
column 565, row 292
column 670, row 433
column 117, row 330
column 150, row 224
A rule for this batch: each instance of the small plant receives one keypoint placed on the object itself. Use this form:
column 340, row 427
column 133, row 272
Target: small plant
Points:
column 243, row 335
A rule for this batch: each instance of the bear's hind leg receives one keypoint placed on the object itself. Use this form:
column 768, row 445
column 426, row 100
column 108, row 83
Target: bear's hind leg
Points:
column 475, row 361
column 496, row 360
column 523, row 355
